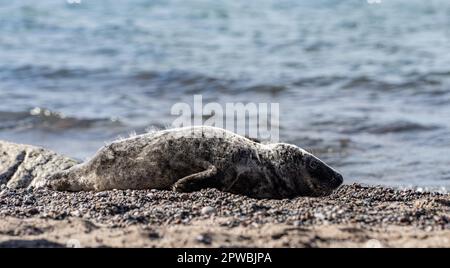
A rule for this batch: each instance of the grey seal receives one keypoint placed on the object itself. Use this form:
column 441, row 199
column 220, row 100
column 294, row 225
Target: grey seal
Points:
column 191, row 158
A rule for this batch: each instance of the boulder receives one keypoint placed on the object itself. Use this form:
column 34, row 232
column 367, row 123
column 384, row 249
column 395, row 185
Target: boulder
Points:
column 25, row 165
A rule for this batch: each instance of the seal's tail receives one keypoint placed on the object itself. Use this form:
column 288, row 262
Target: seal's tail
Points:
column 66, row 181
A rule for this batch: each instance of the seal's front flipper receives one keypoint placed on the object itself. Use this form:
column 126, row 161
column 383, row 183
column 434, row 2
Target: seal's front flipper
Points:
column 195, row 181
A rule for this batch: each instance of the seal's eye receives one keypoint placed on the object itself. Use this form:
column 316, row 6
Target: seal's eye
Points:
column 313, row 163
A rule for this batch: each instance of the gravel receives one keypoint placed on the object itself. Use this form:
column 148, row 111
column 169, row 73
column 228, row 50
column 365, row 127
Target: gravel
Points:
column 350, row 204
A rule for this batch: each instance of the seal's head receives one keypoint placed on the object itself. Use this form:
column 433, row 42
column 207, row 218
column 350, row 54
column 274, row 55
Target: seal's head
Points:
column 307, row 175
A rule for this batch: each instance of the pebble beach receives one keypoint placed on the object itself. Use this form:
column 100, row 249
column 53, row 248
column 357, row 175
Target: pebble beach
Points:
column 364, row 86
column 353, row 216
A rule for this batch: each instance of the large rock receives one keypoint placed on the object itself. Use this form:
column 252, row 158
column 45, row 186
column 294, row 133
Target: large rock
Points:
column 25, row 165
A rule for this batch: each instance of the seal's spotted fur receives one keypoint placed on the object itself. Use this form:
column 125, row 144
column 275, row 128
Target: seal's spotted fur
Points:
column 192, row 158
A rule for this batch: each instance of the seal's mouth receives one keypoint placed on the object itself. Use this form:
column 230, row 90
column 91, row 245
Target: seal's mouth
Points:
column 319, row 189
column 322, row 192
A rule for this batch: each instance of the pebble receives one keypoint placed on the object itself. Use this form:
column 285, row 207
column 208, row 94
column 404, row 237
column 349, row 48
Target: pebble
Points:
column 153, row 235
column 33, row 211
column 122, row 208
column 204, row 238
column 208, row 210
column 76, row 213
column 101, row 194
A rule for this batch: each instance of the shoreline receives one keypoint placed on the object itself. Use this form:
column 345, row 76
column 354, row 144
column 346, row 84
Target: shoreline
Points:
column 353, row 216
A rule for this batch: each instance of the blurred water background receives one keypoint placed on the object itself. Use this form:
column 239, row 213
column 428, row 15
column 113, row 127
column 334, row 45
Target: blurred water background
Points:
column 364, row 86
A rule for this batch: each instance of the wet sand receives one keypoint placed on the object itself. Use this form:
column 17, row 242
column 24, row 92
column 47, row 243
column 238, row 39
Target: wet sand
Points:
column 353, row 216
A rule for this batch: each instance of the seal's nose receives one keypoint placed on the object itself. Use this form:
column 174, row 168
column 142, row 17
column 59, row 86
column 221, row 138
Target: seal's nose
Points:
column 337, row 179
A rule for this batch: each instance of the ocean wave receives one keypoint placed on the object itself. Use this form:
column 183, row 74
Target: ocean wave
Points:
column 364, row 124
column 269, row 89
column 391, row 127
column 318, row 81
column 196, row 83
column 366, row 82
column 30, row 71
column 45, row 119
column 430, row 84
column 184, row 82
